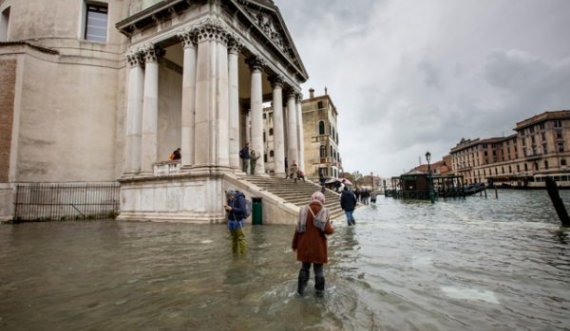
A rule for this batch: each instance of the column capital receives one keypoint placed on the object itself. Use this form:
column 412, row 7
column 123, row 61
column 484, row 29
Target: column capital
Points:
column 135, row 58
column 212, row 29
column 234, row 44
column 255, row 63
column 299, row 97
column 292, row 93
column 188, row 37
column 151, row 53
column 276, row 81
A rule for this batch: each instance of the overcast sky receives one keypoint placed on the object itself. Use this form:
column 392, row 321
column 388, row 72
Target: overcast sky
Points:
column 409, row 76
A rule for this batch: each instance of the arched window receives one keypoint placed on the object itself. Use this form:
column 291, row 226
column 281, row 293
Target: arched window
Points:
column 271, row 154
column 271, row 131
column 321, row 127
column 323, row 151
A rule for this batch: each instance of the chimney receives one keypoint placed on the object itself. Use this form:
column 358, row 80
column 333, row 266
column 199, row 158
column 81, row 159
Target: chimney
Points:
column 311, row 93
column 326, row 91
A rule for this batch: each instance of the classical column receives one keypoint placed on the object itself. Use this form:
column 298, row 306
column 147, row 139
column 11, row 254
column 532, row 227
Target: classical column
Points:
column 278, row 128
column 188, row 97
column 222, row 101
column 256, row 65
column 150, row 110
column 212, row 98
column 292, row 154
column 300, row 132
column 233, row 57
column 134, row 114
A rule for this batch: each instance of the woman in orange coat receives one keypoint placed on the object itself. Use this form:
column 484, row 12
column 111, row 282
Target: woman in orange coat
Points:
column 310, row 242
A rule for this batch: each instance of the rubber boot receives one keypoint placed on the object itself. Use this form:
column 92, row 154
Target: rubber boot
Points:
column 320, row 286
column 303, row 280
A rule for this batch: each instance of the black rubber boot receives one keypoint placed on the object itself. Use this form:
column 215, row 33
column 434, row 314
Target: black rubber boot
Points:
column 303, row 280
column 320, row 286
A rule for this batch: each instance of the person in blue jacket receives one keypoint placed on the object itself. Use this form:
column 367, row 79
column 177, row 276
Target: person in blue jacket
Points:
column 236, row 208
column 348, row 204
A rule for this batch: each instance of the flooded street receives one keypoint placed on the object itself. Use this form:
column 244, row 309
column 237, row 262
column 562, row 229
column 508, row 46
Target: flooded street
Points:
column 473, row 264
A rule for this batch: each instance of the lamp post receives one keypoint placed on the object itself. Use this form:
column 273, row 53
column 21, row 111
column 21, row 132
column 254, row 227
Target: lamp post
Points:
column 430, row 184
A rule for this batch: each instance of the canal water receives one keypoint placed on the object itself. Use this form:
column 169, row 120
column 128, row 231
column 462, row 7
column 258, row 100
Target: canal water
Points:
column 473, row 264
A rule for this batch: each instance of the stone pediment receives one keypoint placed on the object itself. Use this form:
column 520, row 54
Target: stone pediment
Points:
column 266, row 16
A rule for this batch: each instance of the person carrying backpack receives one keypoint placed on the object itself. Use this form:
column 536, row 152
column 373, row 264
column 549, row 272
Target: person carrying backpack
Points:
column 237, row 214
column 310, row 242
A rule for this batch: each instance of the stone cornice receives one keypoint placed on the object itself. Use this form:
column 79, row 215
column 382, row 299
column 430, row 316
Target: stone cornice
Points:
column 149, row 16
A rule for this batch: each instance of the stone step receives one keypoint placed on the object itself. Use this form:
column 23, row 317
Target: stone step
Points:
column 296, row 193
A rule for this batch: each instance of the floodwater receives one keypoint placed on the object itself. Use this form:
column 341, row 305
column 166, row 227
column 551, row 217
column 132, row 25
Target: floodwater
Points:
column 473, row 264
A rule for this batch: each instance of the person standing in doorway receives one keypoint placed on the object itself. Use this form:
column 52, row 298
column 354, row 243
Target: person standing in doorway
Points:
column 244, row 156
column 236, row 208
column 348, row 204
column 310, row 243
column 253, row 161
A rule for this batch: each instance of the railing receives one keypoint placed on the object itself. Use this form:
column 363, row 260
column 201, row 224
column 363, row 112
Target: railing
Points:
column 166, row 168
column 66, row 201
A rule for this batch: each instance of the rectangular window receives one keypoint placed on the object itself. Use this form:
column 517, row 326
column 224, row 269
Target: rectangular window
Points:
column 96, row 22
column 561, row 146
column 4, row 24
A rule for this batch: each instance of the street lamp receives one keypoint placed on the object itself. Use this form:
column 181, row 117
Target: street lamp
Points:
column 430, row 183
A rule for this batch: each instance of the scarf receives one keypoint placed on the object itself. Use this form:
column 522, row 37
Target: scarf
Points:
column 319, row 220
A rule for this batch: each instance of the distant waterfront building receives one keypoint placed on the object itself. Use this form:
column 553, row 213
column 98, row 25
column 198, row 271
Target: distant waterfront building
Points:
column 320, row 126
column 540, row 147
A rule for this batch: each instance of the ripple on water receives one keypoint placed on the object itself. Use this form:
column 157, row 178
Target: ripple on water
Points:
column 465, row 264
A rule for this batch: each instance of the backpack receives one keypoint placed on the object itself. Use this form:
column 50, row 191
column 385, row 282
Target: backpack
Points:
column 247, row 208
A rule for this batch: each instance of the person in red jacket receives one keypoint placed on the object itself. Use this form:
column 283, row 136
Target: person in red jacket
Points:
column 310, row 242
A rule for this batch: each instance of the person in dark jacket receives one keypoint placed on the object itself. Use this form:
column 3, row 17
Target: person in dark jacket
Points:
column 348, row 203
column 244, row 156
column 310, row 242
column 236, row 208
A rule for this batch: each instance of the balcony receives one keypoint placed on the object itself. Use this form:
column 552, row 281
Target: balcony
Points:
column 166, row 168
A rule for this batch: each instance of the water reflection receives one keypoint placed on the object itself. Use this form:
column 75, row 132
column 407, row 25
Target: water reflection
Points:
column 465, row 264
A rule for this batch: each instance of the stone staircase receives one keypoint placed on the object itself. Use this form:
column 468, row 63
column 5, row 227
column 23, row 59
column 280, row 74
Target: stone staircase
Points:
column 298, row 193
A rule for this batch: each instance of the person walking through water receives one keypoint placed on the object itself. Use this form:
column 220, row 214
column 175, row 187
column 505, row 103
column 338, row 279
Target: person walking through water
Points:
column 244, row 156
column 310, row 243
column 293, row 172
column 253, row 161
column 236, row 208
column 348, row 203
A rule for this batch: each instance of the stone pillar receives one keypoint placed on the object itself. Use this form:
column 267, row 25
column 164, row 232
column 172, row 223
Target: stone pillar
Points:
column 292, row 154
column 222, row 102
column 212, row 98
column 300, row 132
column 278, row 128
column 150, row 111
column 256, row 65
column 188, row 98
column 133, row 121
column 233, row 57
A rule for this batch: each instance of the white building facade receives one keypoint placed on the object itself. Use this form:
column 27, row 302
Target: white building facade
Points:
column 107, row 89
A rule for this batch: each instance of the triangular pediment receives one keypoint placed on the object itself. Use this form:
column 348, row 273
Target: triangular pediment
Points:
column 266, row 16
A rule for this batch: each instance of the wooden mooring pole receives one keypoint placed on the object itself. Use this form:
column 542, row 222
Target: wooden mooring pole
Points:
column 557, row 202
column 496, row 192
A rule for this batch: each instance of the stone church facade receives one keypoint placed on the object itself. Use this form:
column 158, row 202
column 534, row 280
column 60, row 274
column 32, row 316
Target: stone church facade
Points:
column 104, row 91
